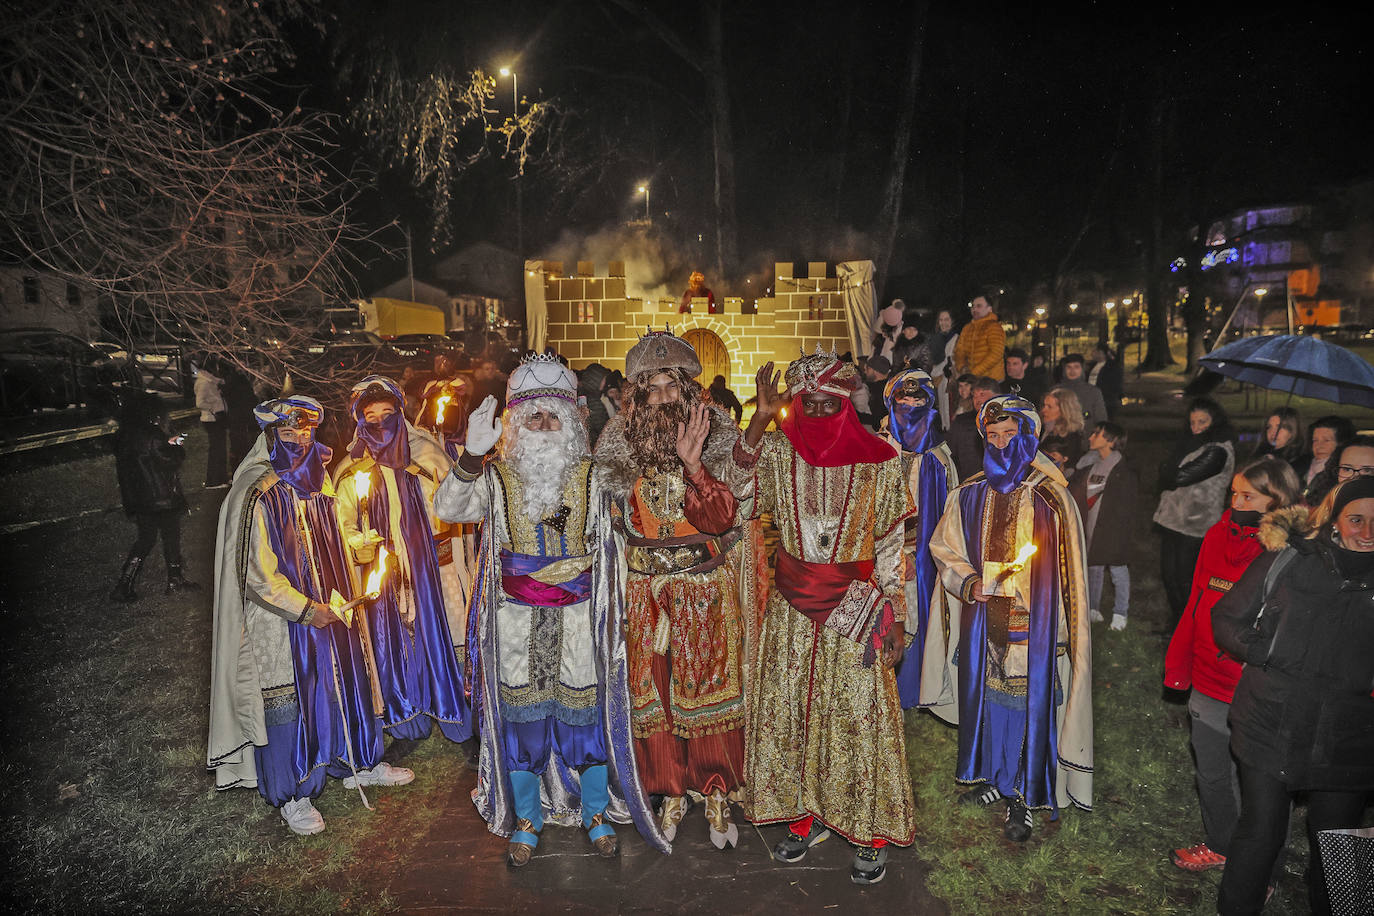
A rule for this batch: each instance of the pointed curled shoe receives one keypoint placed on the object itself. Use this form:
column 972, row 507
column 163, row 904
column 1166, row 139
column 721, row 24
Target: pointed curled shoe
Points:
column 603, row 836
column 724, row 833
column 522, row 843
column 671, row 814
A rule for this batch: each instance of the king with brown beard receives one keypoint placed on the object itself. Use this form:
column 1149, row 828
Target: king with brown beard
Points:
column 664, row 458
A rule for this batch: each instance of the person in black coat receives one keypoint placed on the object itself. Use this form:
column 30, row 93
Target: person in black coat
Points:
column 1106, row 488
column 148, row 459
column 965, row 445
column 1302, row 719
column 724, row 398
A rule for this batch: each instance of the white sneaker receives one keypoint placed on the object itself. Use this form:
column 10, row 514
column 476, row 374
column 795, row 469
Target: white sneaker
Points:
column 300, row 815
column 1095, row 615
column 1118, row 621
column 383, row 774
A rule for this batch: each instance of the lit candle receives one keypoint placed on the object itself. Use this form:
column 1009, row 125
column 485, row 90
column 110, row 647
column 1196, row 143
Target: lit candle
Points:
column 439, row 406
column 362, row 483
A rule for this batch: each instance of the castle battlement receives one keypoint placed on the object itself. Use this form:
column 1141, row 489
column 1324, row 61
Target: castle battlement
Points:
column 590, row 319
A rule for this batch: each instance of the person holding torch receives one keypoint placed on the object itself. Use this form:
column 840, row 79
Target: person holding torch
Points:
column 1007, row 650
column 386, row 499
column 292, row 699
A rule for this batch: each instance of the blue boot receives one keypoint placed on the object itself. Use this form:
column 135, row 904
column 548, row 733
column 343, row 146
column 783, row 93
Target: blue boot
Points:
column 596, row 796
column 529, row 817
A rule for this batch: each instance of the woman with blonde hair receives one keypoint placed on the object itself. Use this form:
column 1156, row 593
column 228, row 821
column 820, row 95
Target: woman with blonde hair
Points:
column 1062, row 440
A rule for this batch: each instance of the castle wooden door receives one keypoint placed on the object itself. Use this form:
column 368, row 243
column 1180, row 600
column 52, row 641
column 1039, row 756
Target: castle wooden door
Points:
column 715, row 360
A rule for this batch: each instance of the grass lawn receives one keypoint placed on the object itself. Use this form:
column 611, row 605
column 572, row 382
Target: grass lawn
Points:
column 107, row 806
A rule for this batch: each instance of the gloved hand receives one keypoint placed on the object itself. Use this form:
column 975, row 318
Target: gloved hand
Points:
column 484, row 428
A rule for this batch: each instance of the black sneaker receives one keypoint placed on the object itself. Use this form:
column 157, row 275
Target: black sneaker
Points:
column 794, row 846
column 870, row 865
column 983, row 794
column 399, row 749
column 1019, row 822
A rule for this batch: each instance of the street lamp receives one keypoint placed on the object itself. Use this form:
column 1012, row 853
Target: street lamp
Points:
column 644, row 189
column 520, row 168
column 1073, row 306
column 1126, row 301
column 1109, row 304
column 1040, row 312
column 514, row 91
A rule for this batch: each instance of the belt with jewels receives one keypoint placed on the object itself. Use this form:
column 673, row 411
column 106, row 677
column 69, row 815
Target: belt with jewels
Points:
column 693, row 553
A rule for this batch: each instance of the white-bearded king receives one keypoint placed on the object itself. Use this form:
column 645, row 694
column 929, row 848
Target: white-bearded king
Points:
column 826, row 748
column 554, row 700
column 666, row 455
column 1008, row 656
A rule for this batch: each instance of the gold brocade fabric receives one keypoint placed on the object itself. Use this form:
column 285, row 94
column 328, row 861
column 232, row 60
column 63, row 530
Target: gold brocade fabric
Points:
column 825, row 734
column 567, row 537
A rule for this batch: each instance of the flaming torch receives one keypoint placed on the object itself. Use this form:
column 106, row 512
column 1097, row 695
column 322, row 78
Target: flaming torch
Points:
column 995, row 574
column 362, row 483
column 371, row 591
column 439, row 406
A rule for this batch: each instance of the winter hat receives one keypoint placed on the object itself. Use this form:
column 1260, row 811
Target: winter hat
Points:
column 892, row 315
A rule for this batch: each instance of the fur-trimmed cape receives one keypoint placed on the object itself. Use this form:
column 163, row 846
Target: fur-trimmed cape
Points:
column 618, row 466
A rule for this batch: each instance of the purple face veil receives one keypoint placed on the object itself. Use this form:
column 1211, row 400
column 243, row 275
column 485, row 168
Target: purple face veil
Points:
column 302, row 467
column 916, row 428
column 1005, row 468
column 389, row 441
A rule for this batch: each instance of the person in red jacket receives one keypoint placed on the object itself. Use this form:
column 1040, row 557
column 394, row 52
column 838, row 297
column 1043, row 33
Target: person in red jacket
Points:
column 1265, row 485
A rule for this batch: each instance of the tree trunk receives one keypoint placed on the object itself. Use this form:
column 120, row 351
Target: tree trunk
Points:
column 891, row 212
column 723, row 145
column 1157, row 353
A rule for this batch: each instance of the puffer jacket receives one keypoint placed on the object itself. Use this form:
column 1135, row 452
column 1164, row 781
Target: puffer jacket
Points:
column 1228, row 549
column 1304, row 710
column 1195, row 486
column 981, row 347
column 147, row 465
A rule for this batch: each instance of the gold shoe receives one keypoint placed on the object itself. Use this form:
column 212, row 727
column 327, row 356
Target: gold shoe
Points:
column 519, row 854
column 605, row 845
column 724, row 833
column 671, row 814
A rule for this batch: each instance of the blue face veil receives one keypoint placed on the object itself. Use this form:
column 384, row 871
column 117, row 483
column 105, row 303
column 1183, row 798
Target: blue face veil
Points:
column 389, row 441
column 1006, row 467
column 302, row 467
column 915, row 426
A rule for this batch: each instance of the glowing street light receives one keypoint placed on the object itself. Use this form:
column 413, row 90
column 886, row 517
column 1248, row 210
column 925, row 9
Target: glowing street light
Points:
column 1073, row 306
column 1040, row 312
column 644, row 189
column 1126, row 301
column 514, row 90
column 1261, row 293
column 1109, row 304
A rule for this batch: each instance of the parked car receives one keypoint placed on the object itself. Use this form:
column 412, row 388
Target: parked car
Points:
column 46, row 369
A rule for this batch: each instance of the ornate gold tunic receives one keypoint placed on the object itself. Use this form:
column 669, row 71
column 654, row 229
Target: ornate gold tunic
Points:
column 824, row 735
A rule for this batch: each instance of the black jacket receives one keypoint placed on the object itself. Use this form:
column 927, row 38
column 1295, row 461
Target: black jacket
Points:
column 1303, row 712
column 965, row 445
column 146, row 464
column 1116, row 517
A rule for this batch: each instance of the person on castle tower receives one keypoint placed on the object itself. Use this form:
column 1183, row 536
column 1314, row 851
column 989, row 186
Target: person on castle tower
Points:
column 665, row 456
column 418, row 646
column 697, row 289
column 913, row 423
column 826, row 750
column 1008, row 655
column 556, row 735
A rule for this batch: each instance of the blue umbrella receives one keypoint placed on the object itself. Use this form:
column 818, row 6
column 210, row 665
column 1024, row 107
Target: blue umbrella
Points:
column 1305, row 366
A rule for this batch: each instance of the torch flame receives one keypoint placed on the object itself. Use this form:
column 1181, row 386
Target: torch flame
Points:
column 362, row 482
column 374, row 578
column 1023, row 555
column 439, row 406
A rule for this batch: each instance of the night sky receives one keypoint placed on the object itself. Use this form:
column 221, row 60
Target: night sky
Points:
column 1037, row 116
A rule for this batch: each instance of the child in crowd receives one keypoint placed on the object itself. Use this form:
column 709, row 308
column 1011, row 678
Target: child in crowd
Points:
column 1264, row 485
column 1105, row 486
